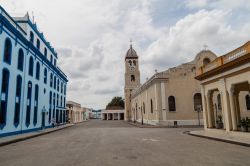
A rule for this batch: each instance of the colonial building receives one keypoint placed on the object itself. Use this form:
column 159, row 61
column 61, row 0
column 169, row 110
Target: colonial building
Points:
column 225, row 87
column 113, row 113
column 169, row 97
column 33, row 88
column 132, row 79
column 75, row 113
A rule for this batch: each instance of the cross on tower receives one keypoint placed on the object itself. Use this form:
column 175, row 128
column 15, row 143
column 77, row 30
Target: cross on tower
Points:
column 205, row 46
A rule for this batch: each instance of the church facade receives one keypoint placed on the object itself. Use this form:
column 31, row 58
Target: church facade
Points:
column 33, row 88
column 171, row 97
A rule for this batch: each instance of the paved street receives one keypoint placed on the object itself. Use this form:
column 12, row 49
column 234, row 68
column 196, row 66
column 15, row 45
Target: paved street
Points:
column 104, row 143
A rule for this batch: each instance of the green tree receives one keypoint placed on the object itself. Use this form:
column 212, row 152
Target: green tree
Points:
column 116, row 101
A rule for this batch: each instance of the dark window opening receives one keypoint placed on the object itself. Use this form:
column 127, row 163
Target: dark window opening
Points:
column 20, row 60
column 28, row 109
column 132, row 78
column 7, row 51
column 171, row 103
column 248, row 102
column 37, row 70
column 4, row 96
column 18, row 100
column 31, row 66
column 197, row 102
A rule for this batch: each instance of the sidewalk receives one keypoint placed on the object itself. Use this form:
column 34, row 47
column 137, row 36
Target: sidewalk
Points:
column 238, row 138
column 137, row 124
column 20, row 137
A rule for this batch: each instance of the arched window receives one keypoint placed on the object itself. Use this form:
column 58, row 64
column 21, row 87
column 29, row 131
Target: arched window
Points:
column 31, row 37
column 54, row 104
column 58, row 83
column 50, row 105
column 45, row 52
column 171, row 103
column 64, row 103
column 54, row 82
column 219, row 102
column 57, row 100
column 18, row 100
column 36, row 104
column 7, row 51
column 61, row 87
column 197, row 102
column 51, row 80
column 134, row 62
column 151, row 106
column 20, row 60
column 132, row 78
column 31, row 66
column 248, row 102
column 51, row 59
column 206, row 61
column 144, row 108
column 38, row 44
column 37, row 70
column 45, row 76
column 130, row 63
column 4, row 97
column 28, row 108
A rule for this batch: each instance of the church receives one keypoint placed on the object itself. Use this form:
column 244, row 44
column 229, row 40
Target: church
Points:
column 211, row 91
column 171, row 97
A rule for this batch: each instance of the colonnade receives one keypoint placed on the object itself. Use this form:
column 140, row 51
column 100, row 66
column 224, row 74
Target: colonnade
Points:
column 229, row 93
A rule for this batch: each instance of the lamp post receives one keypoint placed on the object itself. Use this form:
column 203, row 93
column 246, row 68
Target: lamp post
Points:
column 141, row 117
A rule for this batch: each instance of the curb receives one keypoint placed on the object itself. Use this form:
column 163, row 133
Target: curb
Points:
column 31, row 136
column 218, row 139
column 155, row 126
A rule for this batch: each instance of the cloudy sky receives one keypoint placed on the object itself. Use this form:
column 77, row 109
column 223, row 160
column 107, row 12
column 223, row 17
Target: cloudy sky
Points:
column 92, row 37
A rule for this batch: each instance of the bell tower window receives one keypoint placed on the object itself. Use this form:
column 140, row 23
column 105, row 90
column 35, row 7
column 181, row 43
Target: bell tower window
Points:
column 132, row 78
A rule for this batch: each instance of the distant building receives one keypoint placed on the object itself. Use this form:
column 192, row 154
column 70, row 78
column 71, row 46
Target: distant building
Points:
column 75, row 113
column 33, row 88
column 113, row 113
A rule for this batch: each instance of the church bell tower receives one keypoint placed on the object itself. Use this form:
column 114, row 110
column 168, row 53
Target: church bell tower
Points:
column 132, row 79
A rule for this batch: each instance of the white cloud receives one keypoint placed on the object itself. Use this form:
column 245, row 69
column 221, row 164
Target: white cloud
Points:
column 192, row 4
column 92, row 37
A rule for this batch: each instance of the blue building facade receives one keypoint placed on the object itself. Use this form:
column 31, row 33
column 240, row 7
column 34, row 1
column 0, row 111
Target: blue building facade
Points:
column 32, row 87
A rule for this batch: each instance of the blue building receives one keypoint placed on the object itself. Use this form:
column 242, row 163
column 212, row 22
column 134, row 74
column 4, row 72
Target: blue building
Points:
column 32, row 87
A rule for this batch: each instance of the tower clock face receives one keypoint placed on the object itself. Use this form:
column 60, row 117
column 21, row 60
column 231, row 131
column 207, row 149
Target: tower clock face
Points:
column 132, row 68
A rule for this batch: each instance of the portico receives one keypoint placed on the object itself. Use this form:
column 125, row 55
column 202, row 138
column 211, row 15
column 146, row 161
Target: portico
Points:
column 225, row 86
column 113, row 115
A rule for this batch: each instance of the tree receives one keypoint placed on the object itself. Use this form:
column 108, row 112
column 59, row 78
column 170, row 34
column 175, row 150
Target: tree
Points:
column 117, row 102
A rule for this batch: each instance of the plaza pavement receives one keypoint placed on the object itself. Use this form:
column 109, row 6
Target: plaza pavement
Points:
column 104, row 143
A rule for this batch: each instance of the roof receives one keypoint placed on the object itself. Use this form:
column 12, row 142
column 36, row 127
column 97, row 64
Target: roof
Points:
column 131, row 53
column 234, row 58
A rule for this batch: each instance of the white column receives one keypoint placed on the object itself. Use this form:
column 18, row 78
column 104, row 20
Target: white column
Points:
column 232, row 107
column 204, row 106
column 226, row 107
column 208, row 100
column 119, row 116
